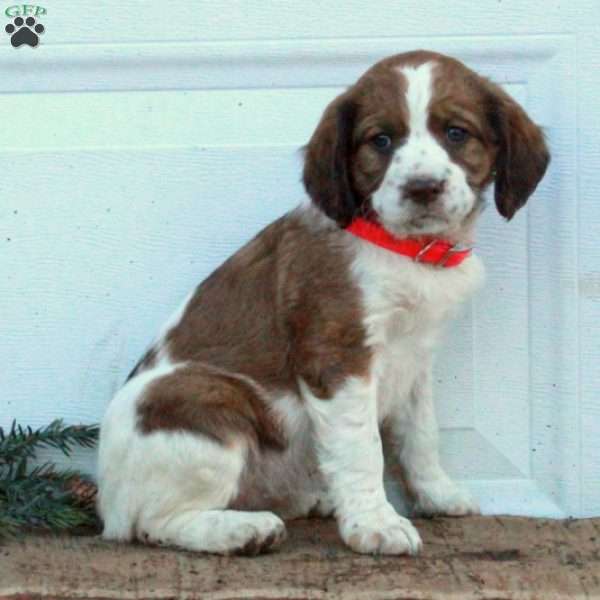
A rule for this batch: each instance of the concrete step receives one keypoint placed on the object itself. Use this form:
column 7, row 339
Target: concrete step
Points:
column 463, row 559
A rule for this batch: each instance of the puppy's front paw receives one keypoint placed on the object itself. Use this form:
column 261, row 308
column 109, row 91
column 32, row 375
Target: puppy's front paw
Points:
column 444, row 497
column 380, row 532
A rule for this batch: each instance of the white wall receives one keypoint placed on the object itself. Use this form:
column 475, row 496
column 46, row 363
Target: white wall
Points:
column 143, row 142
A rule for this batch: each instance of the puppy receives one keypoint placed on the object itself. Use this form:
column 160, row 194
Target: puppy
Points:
column 263, row 398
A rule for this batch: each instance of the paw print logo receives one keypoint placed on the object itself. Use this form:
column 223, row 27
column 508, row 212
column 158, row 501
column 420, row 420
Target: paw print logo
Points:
column 24, row 31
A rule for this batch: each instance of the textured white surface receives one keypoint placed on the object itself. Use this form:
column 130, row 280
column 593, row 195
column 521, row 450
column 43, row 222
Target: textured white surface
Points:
column 141, row 145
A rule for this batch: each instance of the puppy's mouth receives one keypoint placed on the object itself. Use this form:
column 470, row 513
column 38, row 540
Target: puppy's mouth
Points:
column 418, row 225
column 427, row 219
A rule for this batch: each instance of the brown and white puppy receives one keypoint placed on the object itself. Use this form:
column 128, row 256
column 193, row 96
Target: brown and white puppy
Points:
column 264, row 396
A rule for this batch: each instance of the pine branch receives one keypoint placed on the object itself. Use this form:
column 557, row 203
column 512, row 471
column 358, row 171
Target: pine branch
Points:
column 22, row 442
column 42, row 497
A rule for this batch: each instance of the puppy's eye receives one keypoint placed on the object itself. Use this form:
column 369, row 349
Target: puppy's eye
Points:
column 456, row 135
column 382, row 142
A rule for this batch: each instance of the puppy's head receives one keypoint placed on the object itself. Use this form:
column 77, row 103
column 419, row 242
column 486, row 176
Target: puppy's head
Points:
column 415, row 142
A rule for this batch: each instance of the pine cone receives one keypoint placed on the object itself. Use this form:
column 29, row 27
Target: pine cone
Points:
column 83, row 491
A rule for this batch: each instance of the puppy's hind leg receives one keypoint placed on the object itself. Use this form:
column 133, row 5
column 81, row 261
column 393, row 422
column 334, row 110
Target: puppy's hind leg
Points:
column 172, row 452
column 186, row 497
column 216, row 531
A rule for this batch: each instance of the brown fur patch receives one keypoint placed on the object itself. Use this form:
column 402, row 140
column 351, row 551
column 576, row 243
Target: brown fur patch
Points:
column 461, row 99
column 282, row 308
column 523, row 156
column 203, row 400
column 327, row 171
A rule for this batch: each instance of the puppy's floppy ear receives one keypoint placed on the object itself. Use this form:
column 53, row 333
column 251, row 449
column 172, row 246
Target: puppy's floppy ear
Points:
column 327, row 176
column 522, row 153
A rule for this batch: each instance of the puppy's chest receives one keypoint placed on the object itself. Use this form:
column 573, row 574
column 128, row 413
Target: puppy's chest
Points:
column 405, row 312
column 403, row 351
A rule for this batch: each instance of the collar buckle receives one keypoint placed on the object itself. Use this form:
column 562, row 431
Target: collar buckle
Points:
column 424, row 251
column 462, row 248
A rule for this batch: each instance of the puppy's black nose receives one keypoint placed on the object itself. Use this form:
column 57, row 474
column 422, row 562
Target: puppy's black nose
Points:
column 423, row 190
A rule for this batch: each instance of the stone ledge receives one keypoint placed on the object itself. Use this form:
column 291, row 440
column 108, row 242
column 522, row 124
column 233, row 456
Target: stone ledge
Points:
column 492, row 558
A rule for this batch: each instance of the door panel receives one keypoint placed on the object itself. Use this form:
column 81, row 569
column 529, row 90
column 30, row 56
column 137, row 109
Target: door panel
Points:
column 135, row 160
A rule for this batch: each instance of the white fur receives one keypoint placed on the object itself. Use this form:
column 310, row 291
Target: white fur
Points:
column 406, row 306
column 422, row 156
column 351, row 460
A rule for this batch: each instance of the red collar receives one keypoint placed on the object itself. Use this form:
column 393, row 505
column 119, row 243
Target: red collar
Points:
column 422, row 250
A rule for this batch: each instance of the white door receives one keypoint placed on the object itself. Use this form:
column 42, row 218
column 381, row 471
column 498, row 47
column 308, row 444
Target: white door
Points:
column 143, row 142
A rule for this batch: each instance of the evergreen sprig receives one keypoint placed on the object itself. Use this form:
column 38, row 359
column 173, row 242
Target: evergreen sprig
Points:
column 42, row 496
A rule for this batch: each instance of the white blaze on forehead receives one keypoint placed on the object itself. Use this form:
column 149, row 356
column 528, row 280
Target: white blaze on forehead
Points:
column 421, row 155
column 418, row 96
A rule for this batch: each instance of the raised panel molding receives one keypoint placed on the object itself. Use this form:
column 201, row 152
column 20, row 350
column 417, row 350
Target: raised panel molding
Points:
column 260, row 64
column 507, row 378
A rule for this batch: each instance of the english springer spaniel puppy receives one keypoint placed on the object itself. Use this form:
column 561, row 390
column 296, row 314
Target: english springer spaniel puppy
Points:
column 264, row 397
